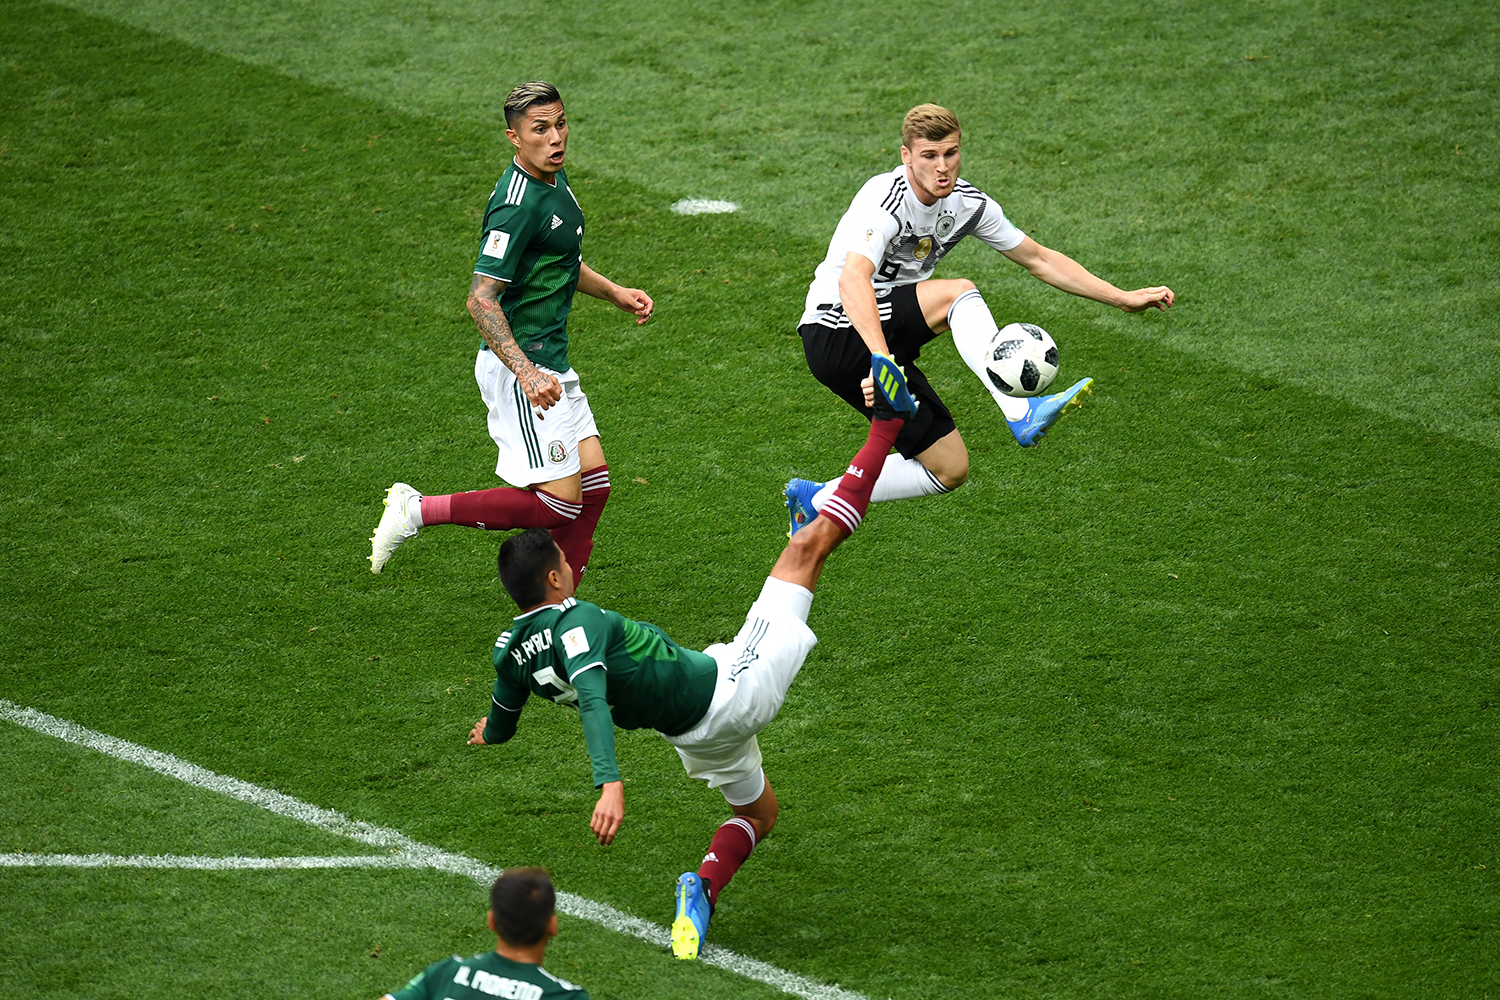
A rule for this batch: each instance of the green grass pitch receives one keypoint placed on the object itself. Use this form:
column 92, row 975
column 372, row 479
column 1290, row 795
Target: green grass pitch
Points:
column 1198, row 698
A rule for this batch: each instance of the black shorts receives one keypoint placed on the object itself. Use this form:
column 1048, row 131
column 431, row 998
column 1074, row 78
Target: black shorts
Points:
column 839, row 359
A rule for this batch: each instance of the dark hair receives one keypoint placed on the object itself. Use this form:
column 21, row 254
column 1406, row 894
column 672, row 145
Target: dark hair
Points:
column 527, row 94
column 523, row 901
column 524, row 562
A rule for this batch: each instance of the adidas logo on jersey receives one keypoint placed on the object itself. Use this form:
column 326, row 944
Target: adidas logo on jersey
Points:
column 556, row 222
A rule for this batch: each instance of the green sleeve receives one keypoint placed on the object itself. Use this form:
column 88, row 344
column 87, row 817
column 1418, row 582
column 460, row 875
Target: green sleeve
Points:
column 598, row 724
column 508, row 231
column 505, row 711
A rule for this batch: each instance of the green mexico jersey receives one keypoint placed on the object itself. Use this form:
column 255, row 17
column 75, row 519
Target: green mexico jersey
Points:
column 615, row 671
column 533, row 241
column 485, row 976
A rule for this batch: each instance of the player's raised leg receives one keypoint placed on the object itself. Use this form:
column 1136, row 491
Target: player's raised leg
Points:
column 788, row 591
column 941, row 467
column 974, row 329
column 843, row 501
column 500, row 509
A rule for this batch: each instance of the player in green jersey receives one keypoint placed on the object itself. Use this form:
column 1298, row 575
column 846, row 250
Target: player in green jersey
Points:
column 523, row 915
column 709, row 704
column 530, row 264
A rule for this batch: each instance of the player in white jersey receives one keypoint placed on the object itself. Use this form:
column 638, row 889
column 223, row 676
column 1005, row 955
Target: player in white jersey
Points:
column 874, row 294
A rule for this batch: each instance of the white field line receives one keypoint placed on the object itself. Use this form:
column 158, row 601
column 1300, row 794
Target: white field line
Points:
column 404, row 852
column 703, row 206
column 200, row 863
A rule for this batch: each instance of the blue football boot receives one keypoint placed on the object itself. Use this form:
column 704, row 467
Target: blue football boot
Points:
column 1046, row 411
column 799, row 502
column 691, row 923
column 890, row 382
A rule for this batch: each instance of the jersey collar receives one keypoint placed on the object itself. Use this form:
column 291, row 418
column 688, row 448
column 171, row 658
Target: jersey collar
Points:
column 564, row 605
column 521, row 167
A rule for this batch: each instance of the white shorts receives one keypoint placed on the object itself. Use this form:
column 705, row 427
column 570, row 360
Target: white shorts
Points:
column 755, row 672
column 535, row 446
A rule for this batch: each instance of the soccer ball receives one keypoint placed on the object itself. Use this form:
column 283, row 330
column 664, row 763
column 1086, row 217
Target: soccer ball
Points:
column 1022, row 360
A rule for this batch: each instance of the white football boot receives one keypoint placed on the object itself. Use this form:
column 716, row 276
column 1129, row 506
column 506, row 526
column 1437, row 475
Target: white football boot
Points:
column 395, row 526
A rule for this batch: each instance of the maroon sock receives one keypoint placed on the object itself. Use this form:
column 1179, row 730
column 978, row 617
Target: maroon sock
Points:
column 499, row 509
column 851, row 498
column 731, row 845
column 576, row 538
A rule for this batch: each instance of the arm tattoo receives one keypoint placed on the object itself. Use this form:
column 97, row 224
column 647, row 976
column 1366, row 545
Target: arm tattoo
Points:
column 495, row 329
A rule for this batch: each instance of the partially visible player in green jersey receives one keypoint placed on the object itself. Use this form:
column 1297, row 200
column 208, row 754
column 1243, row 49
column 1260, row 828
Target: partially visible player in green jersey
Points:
column 523, row 915
column 529, row 265
column 709, row 705
column 643, row 679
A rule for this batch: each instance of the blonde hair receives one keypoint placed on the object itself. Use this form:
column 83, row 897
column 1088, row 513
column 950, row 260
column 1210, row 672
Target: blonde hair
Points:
column 927, row 121
column 527, row 94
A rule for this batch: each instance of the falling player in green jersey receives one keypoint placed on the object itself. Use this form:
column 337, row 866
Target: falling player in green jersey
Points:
column 523, row 915
column 709, row 704
column 530, row 263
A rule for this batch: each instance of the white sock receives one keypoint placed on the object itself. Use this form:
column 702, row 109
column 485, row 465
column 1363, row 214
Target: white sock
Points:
column 973, row 329
column 785, row 597
column 414, row 510
column 900, row 479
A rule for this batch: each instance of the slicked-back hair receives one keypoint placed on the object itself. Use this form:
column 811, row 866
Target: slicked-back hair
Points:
column 524, row 562
column 527, row 94
column 927, row 121
column 523, row 901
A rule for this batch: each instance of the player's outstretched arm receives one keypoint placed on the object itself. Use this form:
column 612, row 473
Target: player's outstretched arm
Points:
column 1061, row 271
column 484, row 305
column 632, row 300
column 609, row 813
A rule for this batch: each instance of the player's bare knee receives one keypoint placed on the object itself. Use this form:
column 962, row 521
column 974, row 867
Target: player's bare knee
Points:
column 950, row 466
column 761, row 813
column 952, row 289
column 954, row 475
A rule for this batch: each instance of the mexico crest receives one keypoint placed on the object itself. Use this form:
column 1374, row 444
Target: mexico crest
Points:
column 557, row 452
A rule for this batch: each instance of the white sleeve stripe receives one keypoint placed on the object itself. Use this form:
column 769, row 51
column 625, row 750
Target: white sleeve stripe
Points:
column 591, row 666
column 498, row 705
column 516, row 190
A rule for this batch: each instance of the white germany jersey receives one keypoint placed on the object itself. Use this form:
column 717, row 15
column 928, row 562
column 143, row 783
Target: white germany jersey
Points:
column 903, row 238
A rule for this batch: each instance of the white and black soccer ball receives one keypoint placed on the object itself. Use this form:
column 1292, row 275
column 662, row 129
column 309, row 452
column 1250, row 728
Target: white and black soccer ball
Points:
column 1022, row 360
